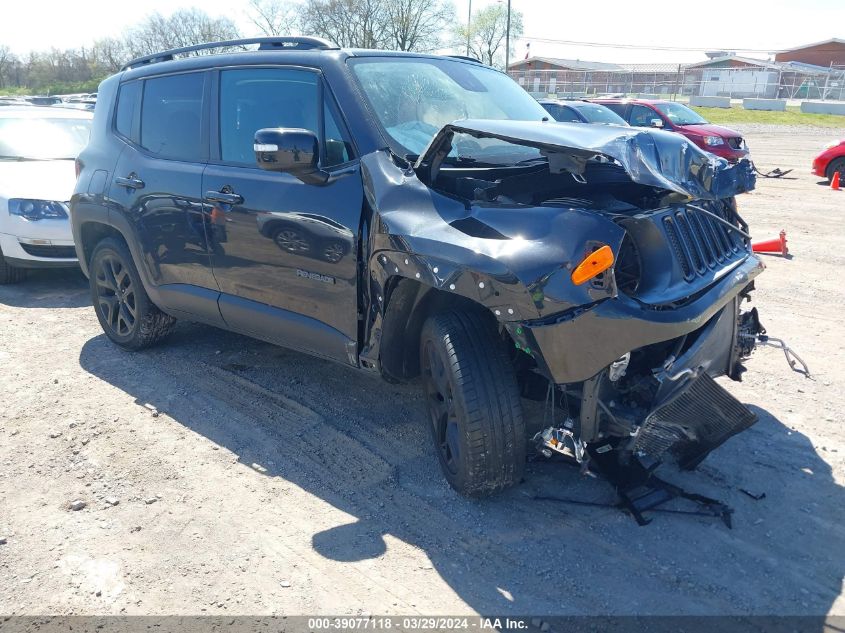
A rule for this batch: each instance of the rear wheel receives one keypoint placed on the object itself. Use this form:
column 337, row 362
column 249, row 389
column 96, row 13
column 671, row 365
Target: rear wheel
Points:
column 333, row 252
column 837, row 165
column 292, row 241
column 124, row 310
column 473, row 403
column 9, row 274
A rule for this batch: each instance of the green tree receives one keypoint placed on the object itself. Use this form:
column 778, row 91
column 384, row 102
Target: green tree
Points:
column 487, row 34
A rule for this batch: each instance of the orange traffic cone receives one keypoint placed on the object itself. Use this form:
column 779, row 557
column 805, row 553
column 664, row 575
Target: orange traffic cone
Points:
column 834, row 182
column 777, row 245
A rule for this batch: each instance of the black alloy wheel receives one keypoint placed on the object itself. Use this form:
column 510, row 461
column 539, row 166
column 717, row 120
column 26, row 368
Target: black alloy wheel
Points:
column 116, row 295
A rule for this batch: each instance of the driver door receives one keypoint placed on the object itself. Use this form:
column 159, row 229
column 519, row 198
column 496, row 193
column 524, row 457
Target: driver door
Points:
column 284, row 253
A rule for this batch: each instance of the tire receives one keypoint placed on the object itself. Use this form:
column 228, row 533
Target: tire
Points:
column 10, row 274
column 333, row 251
column 837, row 164
column 123, row 308
column 473, row 403
column 292, row 240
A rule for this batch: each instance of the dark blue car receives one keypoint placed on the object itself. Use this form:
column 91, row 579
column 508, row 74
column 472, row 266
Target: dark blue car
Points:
column 573, row 111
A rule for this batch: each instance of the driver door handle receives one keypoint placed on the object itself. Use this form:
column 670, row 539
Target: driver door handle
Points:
column 130, row 182
column 224, row 198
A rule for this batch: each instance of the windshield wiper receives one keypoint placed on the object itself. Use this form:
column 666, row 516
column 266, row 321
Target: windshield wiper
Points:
column 467, row 161
column 528, row 161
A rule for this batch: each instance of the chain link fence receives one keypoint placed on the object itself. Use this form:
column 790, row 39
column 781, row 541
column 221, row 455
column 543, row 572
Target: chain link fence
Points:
column 675, row 81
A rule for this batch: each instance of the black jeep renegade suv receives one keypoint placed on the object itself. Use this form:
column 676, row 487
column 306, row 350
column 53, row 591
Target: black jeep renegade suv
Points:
column 417, row 215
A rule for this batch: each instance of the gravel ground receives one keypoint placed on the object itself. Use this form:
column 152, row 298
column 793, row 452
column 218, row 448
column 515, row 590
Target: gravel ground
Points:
column 221, row 475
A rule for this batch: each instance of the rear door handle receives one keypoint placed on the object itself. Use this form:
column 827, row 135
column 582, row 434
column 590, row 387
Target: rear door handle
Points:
column 130, row 182
column 223, row 198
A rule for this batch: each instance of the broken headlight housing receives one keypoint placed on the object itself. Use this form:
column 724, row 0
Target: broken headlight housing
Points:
column 37, row 209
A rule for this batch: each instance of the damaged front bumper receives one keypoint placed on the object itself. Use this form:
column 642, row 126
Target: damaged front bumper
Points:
column 576, row 345
column 647, row 391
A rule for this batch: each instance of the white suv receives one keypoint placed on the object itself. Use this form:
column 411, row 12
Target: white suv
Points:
column 38, row 146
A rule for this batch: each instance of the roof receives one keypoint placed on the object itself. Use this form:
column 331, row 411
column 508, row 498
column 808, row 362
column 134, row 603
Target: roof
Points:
column 628, row 100
column 832, row 40
column 763, row 63
column 572, row 64
column 307, row 57
column 801, row 67
column 43, row 112
column 572, row 103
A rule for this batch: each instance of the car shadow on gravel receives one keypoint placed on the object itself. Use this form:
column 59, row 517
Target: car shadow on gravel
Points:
column 362, row 446
column 46, row 288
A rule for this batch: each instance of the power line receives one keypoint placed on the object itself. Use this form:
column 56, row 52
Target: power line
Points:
column 648, row 47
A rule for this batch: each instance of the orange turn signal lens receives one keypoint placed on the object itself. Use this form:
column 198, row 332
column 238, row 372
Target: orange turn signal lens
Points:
column 594, row 264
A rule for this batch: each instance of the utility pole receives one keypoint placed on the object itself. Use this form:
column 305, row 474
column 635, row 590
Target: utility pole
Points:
column 508, row 39
column 469, row 21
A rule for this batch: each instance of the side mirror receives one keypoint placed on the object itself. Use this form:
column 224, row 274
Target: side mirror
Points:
column 656, row 123
column 290, row 150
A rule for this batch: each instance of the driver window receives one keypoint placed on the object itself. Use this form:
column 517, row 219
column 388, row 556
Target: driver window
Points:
column 251, row 99
column 642, row 116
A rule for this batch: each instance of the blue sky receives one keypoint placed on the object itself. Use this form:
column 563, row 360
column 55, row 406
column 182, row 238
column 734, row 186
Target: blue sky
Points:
column 768, row 26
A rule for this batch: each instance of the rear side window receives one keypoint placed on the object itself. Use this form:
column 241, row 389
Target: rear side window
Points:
column 171, row 116
column 127, row 101
column 566, row 115
column 618, row 108
column 255, row 98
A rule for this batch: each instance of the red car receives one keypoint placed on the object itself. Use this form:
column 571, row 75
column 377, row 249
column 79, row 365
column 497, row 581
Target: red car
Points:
column 676, row 117
column 831, row 159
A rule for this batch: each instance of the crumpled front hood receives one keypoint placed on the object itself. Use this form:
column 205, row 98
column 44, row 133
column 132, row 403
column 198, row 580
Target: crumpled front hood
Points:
column 650, row 157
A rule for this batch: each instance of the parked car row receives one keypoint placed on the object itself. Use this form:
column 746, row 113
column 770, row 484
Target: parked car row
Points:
column 649, row 113
column 413, row 216
column 82, row 101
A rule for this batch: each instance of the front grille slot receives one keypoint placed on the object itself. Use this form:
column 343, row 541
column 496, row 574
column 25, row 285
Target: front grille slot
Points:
column 675, row 242
column 48, row 250
column 699, row 242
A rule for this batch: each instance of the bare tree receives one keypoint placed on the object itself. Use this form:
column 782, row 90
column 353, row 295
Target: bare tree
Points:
column 7, row 62
column 348, row 23
column 109, row 54
column 487, row 34
column 417, row 25
column 184, row 27
column 272, row 17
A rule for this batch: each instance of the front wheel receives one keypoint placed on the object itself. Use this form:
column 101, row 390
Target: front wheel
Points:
column 8, row 273
column 837, row 165
column 124, row 310
column 473, row 403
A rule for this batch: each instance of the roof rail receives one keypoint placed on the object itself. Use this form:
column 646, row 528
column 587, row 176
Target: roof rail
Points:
column 265, row 44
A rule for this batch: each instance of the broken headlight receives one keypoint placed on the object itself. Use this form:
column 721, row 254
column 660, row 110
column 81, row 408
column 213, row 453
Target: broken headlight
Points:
column 37, row 209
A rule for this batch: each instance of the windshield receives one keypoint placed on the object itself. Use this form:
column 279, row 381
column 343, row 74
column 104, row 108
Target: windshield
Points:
column 596, row 113
column 414, row 98
column 39, row 139
column 680, row 114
